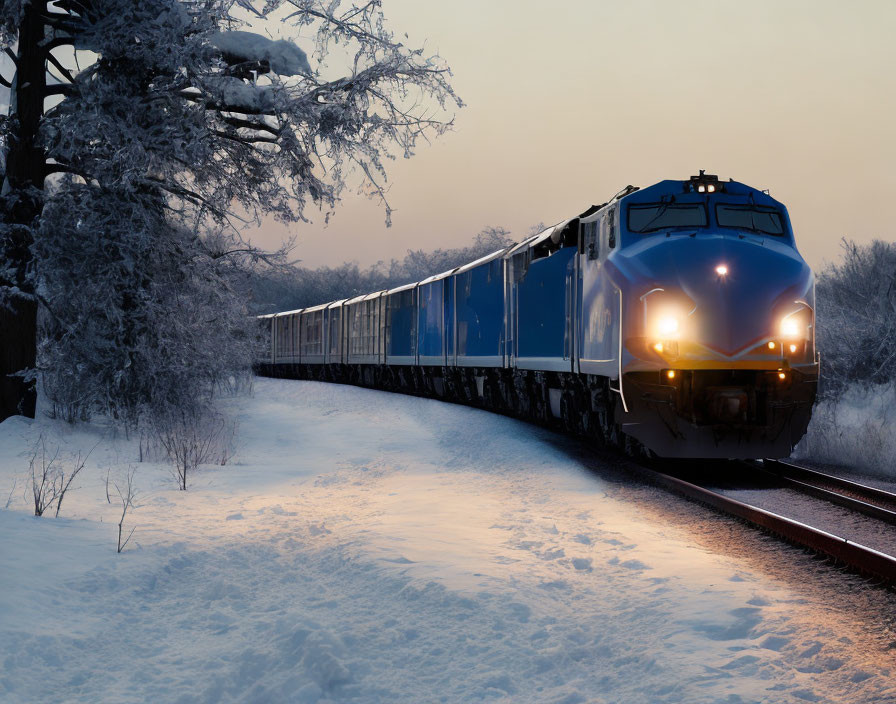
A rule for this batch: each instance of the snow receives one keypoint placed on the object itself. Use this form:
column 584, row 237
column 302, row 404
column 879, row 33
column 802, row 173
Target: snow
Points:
column 235, row 93
column 857, row 431
column 369, row 547
column 284, row 57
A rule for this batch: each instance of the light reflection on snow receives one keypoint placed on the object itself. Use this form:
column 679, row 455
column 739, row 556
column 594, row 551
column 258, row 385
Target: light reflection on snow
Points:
column 370, row 547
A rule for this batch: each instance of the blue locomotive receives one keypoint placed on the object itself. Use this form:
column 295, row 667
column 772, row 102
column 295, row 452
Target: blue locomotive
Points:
column 677, row 319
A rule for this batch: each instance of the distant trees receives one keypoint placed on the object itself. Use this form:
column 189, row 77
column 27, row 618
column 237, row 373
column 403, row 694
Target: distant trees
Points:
column 136, row 127
column 301, row 287
column 856, row 319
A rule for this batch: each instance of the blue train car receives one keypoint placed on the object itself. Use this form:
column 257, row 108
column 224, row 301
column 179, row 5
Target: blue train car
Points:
column 432, row 320
column 678, row 318
column 540, row 299
column 401, row 325
column 478, row 323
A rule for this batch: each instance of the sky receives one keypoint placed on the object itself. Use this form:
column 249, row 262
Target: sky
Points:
column 568, row 102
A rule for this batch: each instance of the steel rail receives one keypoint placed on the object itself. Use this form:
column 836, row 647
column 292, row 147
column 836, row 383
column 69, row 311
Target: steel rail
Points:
column 859, row 557
column 869, row 494
column 787, row 480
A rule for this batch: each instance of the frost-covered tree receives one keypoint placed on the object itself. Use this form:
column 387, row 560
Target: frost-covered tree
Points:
column 173, row 115
column 288, row 288
column 142, row 316
column 857, row 317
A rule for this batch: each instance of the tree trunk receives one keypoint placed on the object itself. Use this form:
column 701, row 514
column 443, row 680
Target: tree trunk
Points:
column 22, row 203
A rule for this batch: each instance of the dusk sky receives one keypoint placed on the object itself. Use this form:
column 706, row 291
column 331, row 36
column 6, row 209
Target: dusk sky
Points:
column 568, row 102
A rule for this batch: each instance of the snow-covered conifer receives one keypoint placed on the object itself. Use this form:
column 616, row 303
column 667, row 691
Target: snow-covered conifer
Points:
column 174, row 115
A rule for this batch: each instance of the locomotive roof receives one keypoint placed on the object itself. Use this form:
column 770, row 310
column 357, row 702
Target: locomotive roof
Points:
column 671, row 187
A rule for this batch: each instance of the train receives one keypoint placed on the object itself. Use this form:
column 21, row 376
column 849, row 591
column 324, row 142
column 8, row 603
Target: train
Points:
column 676, row 320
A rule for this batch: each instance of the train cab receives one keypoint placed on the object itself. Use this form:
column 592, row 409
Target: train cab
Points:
column 717, row 348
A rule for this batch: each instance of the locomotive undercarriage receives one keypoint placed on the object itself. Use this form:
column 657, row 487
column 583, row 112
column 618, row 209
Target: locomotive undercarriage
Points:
column 719, row 413
column 733, row 414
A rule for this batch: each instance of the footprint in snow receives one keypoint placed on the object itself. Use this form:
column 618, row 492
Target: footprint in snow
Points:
column 628, row 564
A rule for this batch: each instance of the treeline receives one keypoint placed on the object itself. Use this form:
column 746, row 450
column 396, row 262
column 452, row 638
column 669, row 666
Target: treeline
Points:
column 300, row 287
column 856, row 318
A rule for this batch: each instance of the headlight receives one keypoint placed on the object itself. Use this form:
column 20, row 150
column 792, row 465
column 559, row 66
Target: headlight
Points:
column 790, row 327
column 668, row 326
column 796, row 325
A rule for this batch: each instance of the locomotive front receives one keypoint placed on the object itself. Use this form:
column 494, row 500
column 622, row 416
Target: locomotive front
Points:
column 718, row 356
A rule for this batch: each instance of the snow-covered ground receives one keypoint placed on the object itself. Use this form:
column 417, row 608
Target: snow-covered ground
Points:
column 857, row 432
column 368, row 547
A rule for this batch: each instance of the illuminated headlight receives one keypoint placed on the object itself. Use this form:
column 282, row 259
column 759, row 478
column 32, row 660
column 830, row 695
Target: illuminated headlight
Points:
column 790, row 327
column 668, row 326
column 796, row 325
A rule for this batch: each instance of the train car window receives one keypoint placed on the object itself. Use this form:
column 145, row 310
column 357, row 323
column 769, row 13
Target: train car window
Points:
column 592, row 244
column 757, row 218
column 650, row 217
column 611, row 220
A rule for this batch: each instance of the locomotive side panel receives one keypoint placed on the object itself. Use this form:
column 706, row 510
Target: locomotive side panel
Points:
column 599, row 303
column 543, row 313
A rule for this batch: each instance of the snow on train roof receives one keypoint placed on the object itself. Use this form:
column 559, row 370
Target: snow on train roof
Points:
column 553, row 232
column 314, row 309
column 399, row 289
column 482, row 260
column 437, row 277
column 363, row 297
column 288, row 312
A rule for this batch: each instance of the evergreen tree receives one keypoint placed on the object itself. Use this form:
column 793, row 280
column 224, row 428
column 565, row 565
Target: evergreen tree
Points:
column 136, row 124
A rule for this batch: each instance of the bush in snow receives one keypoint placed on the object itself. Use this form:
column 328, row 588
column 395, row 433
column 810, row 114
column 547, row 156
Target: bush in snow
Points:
column 191, row 436
column 51, row 477
column 126, row 494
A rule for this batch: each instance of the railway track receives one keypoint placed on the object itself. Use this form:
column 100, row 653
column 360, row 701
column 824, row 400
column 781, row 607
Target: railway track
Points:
column 867, row 500
column 855, row 498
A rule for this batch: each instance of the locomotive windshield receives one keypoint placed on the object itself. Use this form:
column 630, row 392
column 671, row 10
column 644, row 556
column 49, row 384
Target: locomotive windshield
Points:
column 757, row 218
column 650, row 217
